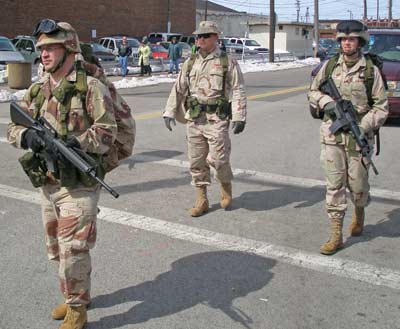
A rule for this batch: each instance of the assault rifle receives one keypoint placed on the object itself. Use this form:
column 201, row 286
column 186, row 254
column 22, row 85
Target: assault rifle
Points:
column 55, row 149
column 346, row 119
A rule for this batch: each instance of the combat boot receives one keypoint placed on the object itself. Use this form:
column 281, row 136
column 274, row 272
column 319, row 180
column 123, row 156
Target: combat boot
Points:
column 357, row 222
column 201, row 205
column 335, row 241
column 76, row 318
column 59, row 312
column 226, row 195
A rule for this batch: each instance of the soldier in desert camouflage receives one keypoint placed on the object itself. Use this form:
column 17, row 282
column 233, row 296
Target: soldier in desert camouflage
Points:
column 340, row 156
column 80, row 109
column 211, row 88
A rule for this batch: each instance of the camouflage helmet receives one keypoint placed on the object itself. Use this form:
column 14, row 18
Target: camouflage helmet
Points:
column 352, row 28
column 62, row 33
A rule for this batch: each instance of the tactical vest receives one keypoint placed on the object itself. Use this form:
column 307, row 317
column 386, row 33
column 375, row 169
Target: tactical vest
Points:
column 222, row 106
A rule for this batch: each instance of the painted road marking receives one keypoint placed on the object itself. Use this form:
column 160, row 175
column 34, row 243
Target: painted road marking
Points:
column 364, row 272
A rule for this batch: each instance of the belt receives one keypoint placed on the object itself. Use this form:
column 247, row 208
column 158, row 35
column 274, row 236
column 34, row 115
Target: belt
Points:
column 208, row 108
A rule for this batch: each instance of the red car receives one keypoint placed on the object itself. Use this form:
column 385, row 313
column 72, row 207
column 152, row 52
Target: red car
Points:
column 159, row 51
column 386, row 44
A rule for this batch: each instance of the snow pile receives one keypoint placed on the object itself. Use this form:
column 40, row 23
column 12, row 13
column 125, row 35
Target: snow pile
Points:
column 6, row 96
column 254, row 66
column 140, row 82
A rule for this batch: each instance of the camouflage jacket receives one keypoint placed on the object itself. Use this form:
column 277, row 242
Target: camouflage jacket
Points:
column 350, row 83
column 205, row 84
column 95, row 127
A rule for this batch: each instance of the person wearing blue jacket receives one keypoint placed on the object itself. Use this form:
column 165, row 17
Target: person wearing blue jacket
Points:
column 174, row 54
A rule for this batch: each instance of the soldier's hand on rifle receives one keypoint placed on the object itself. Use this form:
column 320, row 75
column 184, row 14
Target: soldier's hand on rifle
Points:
column 238, row 126
column 73, row 142
column 329, row 108
column 168, row 122
column 30, row 139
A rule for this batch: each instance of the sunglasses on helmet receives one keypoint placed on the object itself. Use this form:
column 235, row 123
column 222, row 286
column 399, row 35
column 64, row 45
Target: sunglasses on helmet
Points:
column 348, row 27
column 46, row 26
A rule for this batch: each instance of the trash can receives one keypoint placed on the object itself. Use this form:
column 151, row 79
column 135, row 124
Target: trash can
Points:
column 19, row 75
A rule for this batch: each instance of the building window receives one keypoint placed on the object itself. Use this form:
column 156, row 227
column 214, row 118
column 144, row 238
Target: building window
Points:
column 297, row 31
column 280, row 27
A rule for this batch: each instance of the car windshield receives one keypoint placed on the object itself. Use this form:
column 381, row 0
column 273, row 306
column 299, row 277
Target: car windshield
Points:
column 327, row 43
column 131, row 42
column 252, row 43
column 158, row 48
column 6, row 45
column 386, row 46
column 97, row 47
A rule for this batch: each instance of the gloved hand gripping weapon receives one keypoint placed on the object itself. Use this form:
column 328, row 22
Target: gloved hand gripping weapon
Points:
column 346, row 119
column 54, row 148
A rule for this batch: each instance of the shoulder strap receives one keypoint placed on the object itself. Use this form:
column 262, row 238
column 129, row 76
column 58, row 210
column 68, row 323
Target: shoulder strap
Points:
column 369, row 79
column 330, row 66
column 189, row 68
column 37, row 95
column 225, row 63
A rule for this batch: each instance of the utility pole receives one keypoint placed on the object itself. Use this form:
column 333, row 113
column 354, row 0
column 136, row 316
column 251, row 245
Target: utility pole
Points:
column 390, row 10
column 377, row 10
column 271, row 31
column 307, row 14
column 168, row 19
column 365, row 10
column 298, row 9
column 205, row 12
column 316, row 27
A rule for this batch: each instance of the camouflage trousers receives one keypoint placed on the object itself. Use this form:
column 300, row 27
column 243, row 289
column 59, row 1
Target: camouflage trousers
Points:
column 343, row 169
column 69, row 219
column 209, row 144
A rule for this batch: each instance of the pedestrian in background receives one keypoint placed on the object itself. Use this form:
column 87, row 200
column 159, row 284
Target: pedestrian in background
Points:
column 221, row 45
column 174, row 54
column 194, row 47
column 124, row 51
column 144, row 57
column 211, row 86
column 343, row 164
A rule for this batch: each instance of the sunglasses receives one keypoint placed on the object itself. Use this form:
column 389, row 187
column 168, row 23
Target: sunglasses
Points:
column 205, row 35
column 46, row 26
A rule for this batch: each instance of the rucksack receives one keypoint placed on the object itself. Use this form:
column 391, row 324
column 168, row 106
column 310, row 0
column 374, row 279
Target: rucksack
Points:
column 371, row 61
column 126, row 127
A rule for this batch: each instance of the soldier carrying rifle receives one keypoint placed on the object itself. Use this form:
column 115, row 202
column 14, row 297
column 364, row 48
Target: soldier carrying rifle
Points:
column 345, row 153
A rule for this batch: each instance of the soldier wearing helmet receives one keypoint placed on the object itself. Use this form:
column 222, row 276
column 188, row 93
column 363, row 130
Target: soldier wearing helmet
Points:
column 80, row 109
column 341, row 160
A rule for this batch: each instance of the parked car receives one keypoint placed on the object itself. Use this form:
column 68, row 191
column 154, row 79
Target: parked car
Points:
column 26, row 45
column 8, row 52
column 249, row 44
column 189, row 39
column 158, row 51
column 102, row 53
column 186, row 49
column 155, row 37
column 112, row 44
column 386, row 44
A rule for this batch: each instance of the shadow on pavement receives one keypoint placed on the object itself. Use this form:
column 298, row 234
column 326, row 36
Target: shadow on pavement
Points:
column 386, row 227
column 214, row 279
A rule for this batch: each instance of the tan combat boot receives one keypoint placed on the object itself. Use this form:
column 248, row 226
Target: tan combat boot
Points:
column 226, row 195
column 357, row 223
column 201, row 205
column 76, row 318
column 59, row 312
column 335, row 241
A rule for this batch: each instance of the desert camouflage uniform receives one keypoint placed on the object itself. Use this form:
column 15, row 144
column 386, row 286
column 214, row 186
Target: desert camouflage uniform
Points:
column 340, row 157
column 69, row 214
column 208, row 138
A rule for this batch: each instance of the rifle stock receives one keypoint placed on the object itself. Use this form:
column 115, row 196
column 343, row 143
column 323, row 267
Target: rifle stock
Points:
column 55, row 147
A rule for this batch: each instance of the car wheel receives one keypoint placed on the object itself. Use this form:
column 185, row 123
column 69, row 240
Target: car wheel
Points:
column 315, row 113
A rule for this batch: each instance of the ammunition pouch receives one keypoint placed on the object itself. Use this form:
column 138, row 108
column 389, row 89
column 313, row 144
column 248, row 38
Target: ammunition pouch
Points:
column 35, row 168
column 222, row 108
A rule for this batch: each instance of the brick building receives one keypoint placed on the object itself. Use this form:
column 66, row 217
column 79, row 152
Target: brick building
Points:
column 100, row 17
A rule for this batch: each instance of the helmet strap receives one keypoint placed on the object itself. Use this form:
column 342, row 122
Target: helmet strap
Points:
column 60, row 64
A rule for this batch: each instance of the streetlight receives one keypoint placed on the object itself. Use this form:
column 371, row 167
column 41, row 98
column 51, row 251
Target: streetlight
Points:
column 351, row 13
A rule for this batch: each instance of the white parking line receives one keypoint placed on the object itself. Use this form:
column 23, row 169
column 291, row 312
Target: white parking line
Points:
column 379, row 276
column 4, row 121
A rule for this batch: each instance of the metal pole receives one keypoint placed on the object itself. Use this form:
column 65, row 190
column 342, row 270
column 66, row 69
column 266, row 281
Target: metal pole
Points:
column 168, row 18
column 377, row 10
column 271, row 31
column 365, row 10
column 316, row 27
column 390, row 10
column 205, row 12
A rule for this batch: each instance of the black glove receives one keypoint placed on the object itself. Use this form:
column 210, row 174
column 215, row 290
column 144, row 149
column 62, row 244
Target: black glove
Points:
column 329, row 108
column 168, row 121
column 73, row 142
column 238, row 126
column 31, row 140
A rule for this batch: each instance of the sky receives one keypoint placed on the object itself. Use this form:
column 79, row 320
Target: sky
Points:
column 328, row 9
